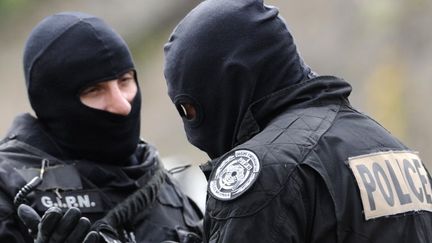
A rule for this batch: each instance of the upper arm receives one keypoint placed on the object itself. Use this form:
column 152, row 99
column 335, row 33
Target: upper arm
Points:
column 260, row 215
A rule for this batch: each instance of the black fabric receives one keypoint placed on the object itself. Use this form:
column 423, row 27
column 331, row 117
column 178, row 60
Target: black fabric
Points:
column 236, row 62
column 170, row 211
column 64, row 54
column 28, row 129
column 223, row 56
column 306, row 191
column 55, row 226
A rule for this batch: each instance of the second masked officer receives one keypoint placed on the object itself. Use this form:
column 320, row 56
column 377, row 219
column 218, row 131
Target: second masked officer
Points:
column 292, row 160
column 84, row 146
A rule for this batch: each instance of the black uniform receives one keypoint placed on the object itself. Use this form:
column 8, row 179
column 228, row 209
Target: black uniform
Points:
column 95, row 160
column 292, row 160
column 92, row 187
column 307, row 190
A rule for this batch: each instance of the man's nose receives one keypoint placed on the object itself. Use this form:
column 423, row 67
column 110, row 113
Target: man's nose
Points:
column 117, row 102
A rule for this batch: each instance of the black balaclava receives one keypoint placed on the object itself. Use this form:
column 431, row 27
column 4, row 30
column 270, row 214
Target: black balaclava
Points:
column 64, row 54
column 223, row 56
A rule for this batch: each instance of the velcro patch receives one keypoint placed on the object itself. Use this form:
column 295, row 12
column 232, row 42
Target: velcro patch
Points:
column 235, row 174
column 88, row 201
column 391, row 183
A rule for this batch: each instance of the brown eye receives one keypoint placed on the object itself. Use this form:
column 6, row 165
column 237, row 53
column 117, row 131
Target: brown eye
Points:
column 187, row 111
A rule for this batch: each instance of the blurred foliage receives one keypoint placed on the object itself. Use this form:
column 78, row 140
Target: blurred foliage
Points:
column 7, row 6
column 382, row 12
column 149, row 43
column 385, row 91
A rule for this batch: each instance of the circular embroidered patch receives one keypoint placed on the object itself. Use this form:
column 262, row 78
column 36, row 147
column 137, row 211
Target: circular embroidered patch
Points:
column 237, row 173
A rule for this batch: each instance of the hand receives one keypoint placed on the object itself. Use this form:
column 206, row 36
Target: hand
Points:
column 56, row 227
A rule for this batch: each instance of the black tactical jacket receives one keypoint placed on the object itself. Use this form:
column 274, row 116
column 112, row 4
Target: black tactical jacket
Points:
column 327, row 174
column 94, row 188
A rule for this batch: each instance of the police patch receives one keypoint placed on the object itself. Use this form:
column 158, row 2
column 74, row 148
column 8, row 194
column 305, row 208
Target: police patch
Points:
column 391, row 183
column 237, row 173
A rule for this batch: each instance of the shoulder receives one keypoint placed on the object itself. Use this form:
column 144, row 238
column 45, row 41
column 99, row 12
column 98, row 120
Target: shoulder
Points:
column 242, row 184
column 251, row 175
column 282, row 145
column 17, row 163
column 242, row 194
column 296, row 130
column 15, row 154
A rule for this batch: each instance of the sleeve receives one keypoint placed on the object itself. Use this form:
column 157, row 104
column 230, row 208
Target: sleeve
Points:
column 266, row 213
column 192, row 214
column 11, row 228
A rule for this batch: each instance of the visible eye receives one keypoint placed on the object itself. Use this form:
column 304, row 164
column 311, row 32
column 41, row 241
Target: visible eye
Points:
column 187, row 111
column 126, row 79
column 91, row 90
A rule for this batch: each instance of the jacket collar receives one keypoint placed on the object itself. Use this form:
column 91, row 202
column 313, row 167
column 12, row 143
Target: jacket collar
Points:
column 319, row 90
column 27, row 129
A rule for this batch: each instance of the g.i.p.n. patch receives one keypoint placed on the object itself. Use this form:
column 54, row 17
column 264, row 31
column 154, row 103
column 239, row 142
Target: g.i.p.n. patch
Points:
column 235, row 174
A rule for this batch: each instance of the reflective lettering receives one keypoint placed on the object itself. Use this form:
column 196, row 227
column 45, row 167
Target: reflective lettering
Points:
column 83, row 201
column 59, row 203
column 380, row 176
column 424, row 179
column 407, row 167
column 46, row 201
column 404, row 198
column 369, row 184
column 70, row 201
column 392, row 182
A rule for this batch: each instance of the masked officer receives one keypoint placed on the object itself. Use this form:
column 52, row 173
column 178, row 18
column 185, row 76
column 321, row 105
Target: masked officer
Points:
column 292, row 160
column 81, row 163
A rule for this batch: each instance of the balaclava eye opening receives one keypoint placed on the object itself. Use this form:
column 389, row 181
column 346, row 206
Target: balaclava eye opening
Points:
column 225, row 55
column 65, row 53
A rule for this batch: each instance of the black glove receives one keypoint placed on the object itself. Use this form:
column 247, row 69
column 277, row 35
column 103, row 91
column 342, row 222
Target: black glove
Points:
column 56, row 227
column 106, row 232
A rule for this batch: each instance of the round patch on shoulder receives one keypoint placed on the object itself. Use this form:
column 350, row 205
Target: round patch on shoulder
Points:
column 235, row 174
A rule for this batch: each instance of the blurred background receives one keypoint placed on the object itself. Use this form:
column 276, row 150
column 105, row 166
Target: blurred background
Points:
column 382, row 47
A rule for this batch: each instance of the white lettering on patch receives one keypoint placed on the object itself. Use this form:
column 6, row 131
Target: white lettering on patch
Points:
column 79, row 201
column 235, row 175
